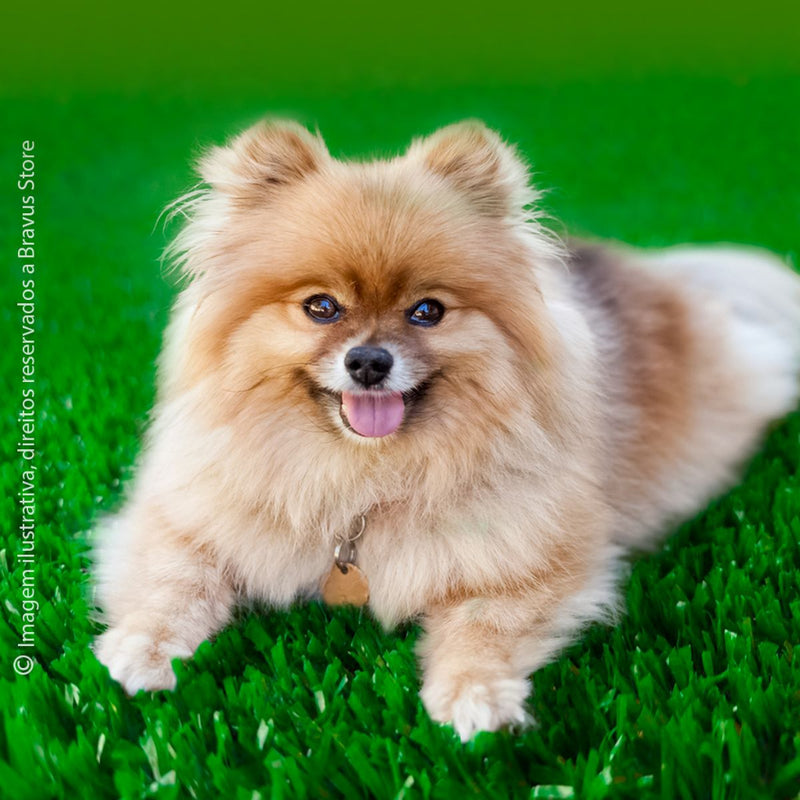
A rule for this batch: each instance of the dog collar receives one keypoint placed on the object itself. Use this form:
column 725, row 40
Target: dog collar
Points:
column 346, row 584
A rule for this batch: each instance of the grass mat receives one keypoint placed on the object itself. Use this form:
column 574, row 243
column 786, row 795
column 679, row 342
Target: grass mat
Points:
column 695, row 694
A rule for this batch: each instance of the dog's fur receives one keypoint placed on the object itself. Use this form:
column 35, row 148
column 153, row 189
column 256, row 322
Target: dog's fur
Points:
column 571, row 403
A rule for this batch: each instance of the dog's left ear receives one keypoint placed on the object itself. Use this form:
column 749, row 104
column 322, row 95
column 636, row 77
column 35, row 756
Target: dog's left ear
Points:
column 266, row 157
column 477, row 161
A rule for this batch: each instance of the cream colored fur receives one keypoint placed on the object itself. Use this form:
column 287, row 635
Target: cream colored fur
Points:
column 498, row 513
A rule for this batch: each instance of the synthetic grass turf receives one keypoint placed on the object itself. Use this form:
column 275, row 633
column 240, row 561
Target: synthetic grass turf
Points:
column 694, row 694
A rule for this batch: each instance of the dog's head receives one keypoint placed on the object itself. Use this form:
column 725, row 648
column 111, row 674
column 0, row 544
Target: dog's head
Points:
column 373, row 301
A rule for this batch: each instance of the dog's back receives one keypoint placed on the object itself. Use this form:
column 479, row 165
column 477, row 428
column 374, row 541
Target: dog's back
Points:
column 701, row 350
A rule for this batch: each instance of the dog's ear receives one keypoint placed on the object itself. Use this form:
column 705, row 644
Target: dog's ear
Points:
column 477, row 161
column 267, row 156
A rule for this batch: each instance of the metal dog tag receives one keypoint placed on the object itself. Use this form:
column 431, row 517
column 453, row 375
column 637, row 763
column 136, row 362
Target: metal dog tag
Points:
column 346, row 585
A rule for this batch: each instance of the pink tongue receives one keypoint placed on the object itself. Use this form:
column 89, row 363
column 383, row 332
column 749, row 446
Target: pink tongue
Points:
column 373, row 413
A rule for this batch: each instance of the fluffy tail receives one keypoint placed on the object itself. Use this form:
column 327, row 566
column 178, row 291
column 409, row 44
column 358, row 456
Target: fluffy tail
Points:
column 763, row 296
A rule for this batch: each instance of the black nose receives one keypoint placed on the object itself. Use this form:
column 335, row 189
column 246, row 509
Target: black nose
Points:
column 368, row 365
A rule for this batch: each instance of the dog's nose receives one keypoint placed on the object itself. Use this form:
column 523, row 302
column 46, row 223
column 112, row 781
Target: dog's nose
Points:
column 368, row 365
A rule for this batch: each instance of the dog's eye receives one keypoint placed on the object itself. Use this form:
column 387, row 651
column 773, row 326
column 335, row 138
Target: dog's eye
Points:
column 426, row 312
column 322, row 308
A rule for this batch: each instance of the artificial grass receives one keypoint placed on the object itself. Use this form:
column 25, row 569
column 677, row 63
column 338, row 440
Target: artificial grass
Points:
column 694, row 694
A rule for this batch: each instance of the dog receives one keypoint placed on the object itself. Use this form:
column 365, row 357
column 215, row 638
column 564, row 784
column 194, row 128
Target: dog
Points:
column 386, row 383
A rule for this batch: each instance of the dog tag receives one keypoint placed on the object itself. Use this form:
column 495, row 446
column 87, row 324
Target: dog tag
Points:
column 346, row 585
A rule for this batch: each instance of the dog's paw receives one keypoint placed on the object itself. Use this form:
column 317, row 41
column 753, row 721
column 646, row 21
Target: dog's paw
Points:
column 137, row 660
column 471, row 706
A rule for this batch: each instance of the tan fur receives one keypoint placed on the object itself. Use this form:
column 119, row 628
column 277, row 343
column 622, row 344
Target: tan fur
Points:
column 575, row 401
column 652, row 329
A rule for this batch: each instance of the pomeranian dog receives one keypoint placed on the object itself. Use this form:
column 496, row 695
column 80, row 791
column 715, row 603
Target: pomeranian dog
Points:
column 385, row 383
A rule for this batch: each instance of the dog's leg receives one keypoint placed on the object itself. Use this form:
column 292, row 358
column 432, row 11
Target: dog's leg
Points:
column 478, row 652
column 162, row 594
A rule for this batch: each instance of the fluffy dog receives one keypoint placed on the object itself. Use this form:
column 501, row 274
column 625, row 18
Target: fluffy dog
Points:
column 396, row 350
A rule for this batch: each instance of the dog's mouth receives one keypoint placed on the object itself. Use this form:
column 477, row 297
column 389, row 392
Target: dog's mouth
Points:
column 375, row 413
column 372, row 414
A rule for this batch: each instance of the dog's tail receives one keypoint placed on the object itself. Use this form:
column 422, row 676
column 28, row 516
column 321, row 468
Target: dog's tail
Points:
column 763, row 296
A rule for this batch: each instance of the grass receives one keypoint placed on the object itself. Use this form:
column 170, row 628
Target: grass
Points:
column 694, row 694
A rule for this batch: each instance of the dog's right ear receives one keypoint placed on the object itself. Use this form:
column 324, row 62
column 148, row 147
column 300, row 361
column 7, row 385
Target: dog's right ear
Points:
column 265, row 157
column 474, row 159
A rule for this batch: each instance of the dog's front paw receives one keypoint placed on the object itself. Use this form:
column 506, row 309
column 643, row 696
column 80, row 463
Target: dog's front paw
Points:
column 477, row 704
column 139, row 660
